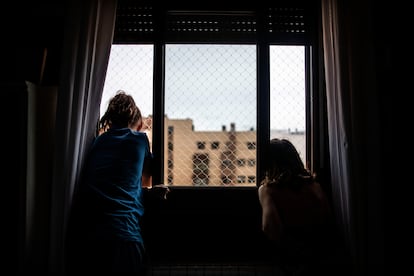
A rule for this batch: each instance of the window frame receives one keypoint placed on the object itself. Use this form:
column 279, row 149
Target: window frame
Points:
column 159, row 37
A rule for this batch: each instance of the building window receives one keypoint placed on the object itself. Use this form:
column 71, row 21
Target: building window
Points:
column 208, row 83
column 170, row 180
column 226, row 163
column 241, row 162
column 201, row 145
column 200, row 170
column 251, row 162
column 215, row 145
column 251, row 145
column 170, row 130
column 226, row 180
column 241, row 179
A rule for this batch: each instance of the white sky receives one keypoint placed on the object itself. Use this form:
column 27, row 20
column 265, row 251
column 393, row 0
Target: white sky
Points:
column 214, row 85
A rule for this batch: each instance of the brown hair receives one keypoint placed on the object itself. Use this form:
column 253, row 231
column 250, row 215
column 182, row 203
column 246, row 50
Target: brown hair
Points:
column 284, row 165
column 121, row 112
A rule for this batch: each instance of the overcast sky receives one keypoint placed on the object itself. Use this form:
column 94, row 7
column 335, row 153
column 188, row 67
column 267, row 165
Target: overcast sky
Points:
column 214, row 85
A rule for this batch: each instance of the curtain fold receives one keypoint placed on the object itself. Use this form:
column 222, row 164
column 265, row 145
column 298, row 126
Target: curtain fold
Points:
column 87, row 43
column 338, row 111
column 41, row 110
column 354, row 126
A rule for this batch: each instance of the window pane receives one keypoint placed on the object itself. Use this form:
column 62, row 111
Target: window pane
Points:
column 287, row 95
column 210, row 106
column 130, row 69
column 210, row 99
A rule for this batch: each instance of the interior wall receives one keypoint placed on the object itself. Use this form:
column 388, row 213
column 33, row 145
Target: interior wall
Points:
column 28, row 28
column 201, row 225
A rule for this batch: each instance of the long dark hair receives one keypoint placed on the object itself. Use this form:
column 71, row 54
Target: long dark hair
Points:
column 284, row 166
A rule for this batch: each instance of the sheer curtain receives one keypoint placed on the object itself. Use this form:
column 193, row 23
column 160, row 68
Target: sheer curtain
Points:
column 354, row 127
column 87, row 43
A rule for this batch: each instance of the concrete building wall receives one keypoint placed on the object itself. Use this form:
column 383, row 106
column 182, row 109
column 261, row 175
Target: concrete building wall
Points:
column 182, row 146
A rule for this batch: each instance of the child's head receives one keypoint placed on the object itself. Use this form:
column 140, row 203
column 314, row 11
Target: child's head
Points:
column 121, row 112
column 283, row 158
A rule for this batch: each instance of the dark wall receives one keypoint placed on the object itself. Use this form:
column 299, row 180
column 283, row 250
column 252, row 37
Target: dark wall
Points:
column 221, row 224
column 28, row 30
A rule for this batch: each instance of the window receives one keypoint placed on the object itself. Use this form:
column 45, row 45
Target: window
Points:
column 251, row 145
column 231, row 80
column 215, row 145
column 251, row 179
column 241, row 162
column 226, row 163
column 170, row 130
column 201, row 145
column 241, row 179
column 200, row 170
column 251, row 162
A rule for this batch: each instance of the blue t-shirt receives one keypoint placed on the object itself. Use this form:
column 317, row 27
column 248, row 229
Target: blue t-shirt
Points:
column 113, row 184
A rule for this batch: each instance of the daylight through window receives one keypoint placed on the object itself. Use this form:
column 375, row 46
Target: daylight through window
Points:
column 210, row 106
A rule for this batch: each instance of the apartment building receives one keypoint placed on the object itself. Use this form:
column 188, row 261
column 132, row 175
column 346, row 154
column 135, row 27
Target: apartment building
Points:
column 213, row 158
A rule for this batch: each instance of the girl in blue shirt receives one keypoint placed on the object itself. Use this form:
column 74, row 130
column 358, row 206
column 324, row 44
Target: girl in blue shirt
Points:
column 108, row 235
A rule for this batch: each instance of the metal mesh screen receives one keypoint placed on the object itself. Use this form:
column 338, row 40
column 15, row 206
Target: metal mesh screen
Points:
column 210, row 100
column 287, row 95
column 210, row 106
